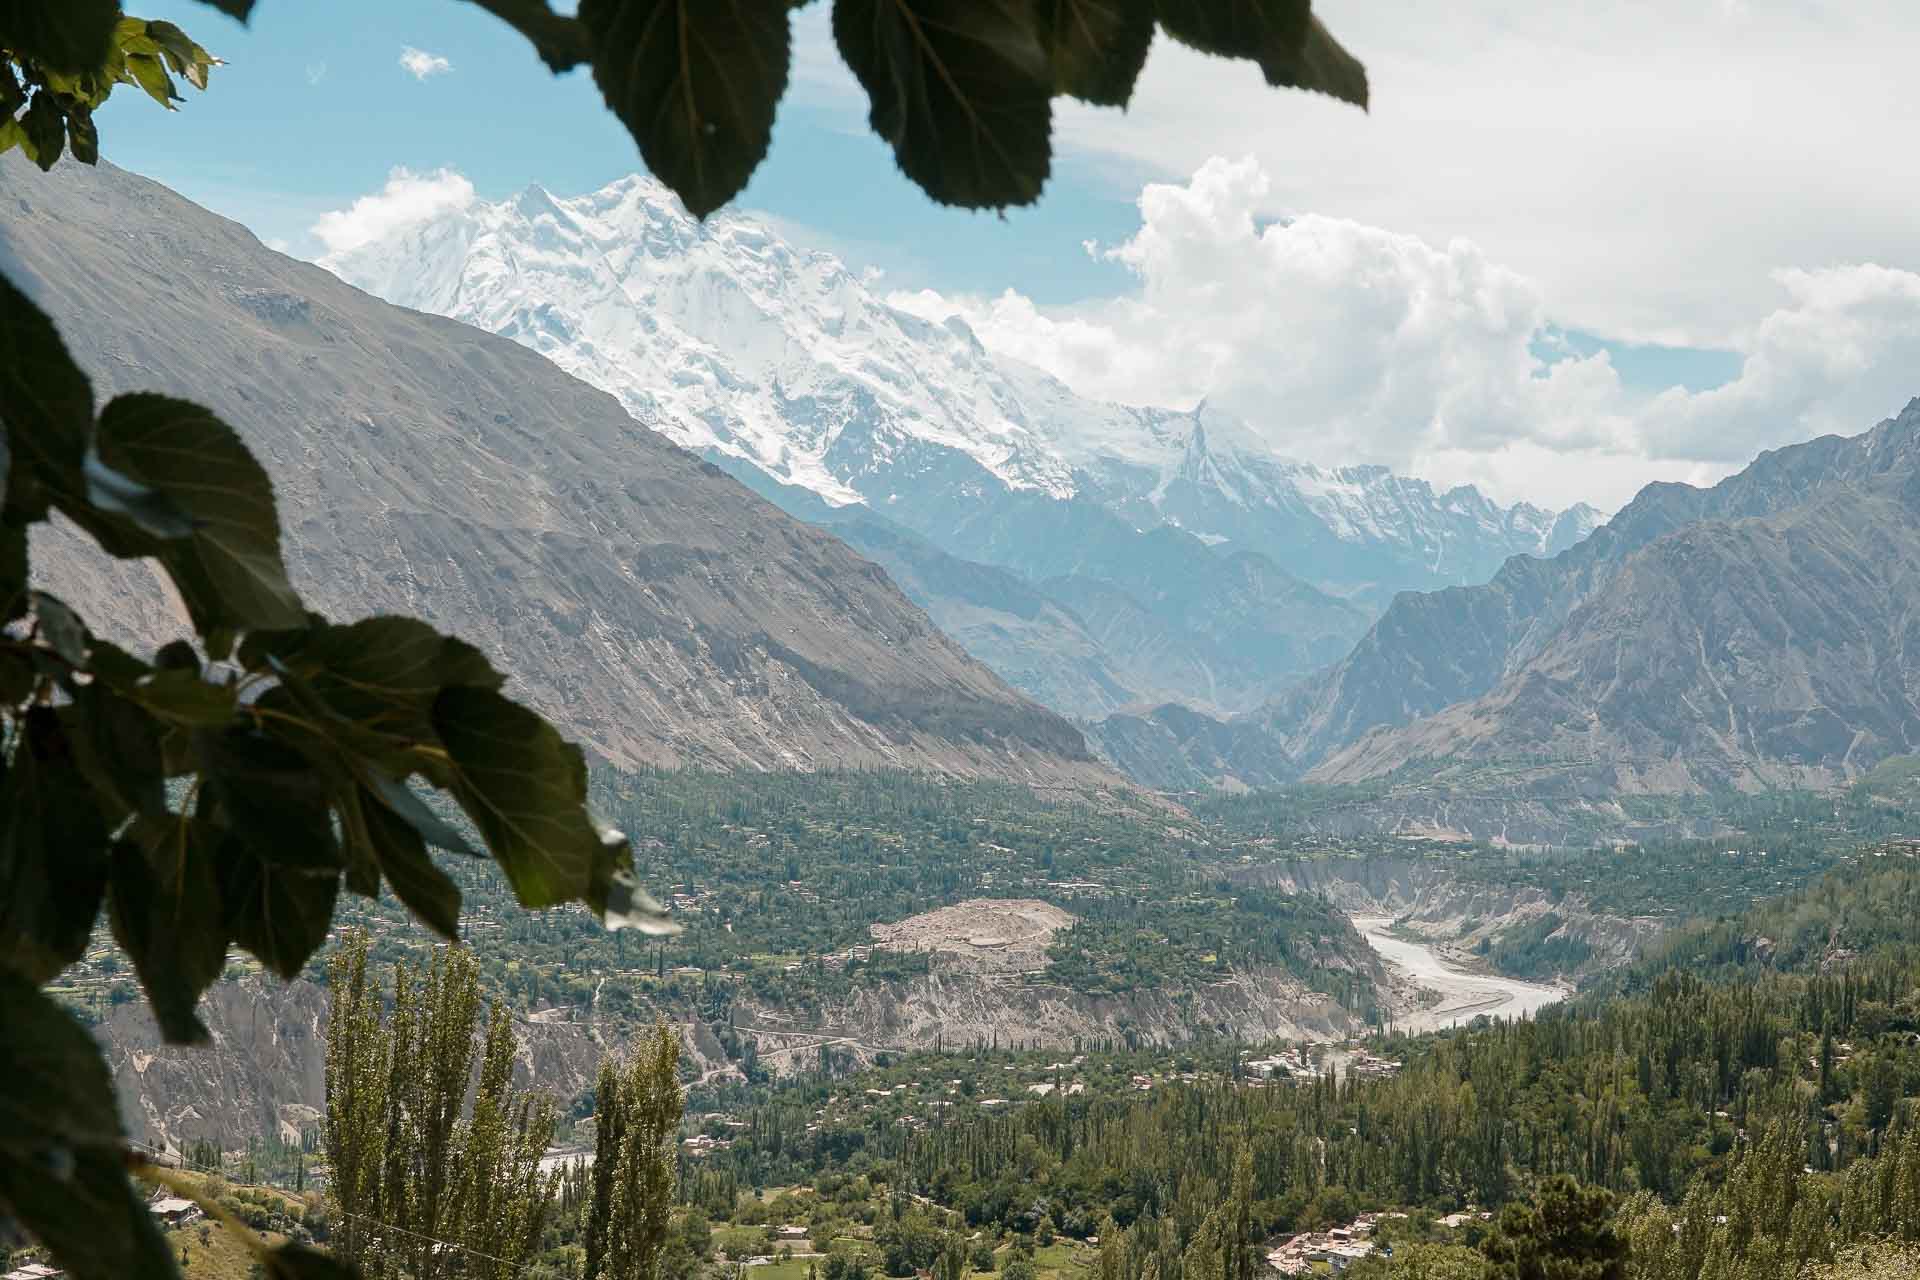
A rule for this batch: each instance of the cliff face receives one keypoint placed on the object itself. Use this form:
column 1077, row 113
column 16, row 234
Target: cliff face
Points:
column 1752, row 634
column 1752, row 653
column 653, row 607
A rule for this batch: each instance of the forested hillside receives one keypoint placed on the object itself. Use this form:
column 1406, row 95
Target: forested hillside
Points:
column 1750, row 1083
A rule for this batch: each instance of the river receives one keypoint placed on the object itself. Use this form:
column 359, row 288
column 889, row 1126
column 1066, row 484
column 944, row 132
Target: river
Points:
column 1463, row 995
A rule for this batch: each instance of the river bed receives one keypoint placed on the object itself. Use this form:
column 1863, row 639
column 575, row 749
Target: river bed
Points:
column 1464, row 996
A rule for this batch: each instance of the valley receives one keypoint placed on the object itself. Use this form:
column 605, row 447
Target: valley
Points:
column 1457, row 995
column 608, row 744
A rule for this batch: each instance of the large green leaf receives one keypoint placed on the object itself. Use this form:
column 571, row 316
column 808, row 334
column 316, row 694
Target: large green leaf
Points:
column 1293, row 49
column 696, row 82
column 279, row 913
column 411, row 809
column 53, row 847
column 183, row 698
column 961, row 89
column 272, row 797
column 62, row 1168
column 526, row 789
column 1098, row 47
column 229, row 571
column 43, row 130
column 402, row 855
column 382, row 673
column 64, row 35
column 166, row 915
column 46, row 407
column 118, row 494
column 117, row 745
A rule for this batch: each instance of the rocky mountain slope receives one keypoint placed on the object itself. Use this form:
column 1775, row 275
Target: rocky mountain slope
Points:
column 791, row 372
column 651, row 605
column 1676, row 647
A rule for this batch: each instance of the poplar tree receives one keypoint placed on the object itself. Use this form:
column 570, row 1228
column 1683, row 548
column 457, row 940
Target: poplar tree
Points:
column 436, row 1174
column 637, row 1117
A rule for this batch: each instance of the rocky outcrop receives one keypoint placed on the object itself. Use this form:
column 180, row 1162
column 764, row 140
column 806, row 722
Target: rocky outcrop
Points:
column 1749, row 634
column 648, row 603
column 264, row 1072
column 1751, row 653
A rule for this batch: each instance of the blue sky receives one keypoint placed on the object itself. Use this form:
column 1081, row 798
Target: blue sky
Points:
column 314, row 109
column 1652, row 260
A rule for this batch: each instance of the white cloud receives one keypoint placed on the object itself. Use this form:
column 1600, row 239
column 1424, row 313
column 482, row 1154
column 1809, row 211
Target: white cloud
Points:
column 407, row 198
column 316, row 72
column 1342, row 342
column 420, row 64
column 1645, row 163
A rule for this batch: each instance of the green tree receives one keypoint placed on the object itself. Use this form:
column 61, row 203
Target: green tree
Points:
column 646, row 1163
column 223, row 789
column 609, row 1114
column 1566, row 1233
column 443, row 1179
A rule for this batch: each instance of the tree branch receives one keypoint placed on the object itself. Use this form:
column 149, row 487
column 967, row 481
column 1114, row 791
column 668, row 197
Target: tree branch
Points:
column 560, row 41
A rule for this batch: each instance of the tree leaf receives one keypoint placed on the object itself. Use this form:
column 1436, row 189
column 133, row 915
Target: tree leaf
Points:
column 83, row 136
column 404, row 804
column 53, row 847
column 1098, row 47
column 43, row 130
column 280, row 914
column 387, row 670
column 1291, row 47
column 46, row 406
column 71, row 35
column 232, row 8
column 402, row 855
column 623, row 904
column 182, row 52
column 117, row 744
column 271, row 797
column 229, row 571
column 961, row 89
column 1319, row 64
column 60, row 629
column 13, row 573
column 152, row 510
column 149, row 71
column 181, row 697
column 62, row 1171
column 166, row 914
column 696, row 82
column 525, row 789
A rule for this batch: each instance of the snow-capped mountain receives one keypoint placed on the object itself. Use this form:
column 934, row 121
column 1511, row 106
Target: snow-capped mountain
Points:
column 782, row 361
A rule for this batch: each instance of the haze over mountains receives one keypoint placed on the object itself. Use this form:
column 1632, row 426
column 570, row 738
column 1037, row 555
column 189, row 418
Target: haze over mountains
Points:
column 653, row 607
column 1166, row 555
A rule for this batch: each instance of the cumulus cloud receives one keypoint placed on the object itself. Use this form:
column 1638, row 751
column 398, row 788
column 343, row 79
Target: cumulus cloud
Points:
column 407, row 199
column 1340, row 342
column 420, row 64
column 1646, row 185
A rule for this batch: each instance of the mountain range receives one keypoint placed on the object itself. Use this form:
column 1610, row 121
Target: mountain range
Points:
column 1752, row 634
column 1163, row 550
column 967, row 540
column 658, row 611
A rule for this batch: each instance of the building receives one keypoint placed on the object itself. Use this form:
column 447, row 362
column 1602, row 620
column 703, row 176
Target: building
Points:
column 172, row 1211
column 34, row 1271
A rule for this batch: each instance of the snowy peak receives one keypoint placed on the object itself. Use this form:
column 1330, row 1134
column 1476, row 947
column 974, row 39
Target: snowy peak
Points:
column 733, row 342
